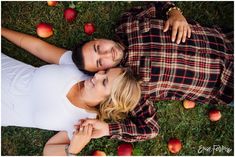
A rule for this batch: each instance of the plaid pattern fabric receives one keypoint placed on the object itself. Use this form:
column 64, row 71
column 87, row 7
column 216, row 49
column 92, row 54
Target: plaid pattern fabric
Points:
column 201, row 69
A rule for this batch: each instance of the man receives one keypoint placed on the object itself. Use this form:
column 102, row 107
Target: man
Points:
column 102, row 54
column 200, row 69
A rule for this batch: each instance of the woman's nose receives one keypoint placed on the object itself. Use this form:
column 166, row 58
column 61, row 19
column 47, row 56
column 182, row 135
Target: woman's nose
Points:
column 99, row 75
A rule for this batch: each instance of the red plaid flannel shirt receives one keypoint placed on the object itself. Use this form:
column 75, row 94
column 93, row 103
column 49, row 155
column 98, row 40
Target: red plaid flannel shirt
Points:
column 201, row 69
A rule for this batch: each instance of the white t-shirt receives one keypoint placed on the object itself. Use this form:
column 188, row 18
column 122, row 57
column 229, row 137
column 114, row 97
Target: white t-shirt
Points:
column 42, row 101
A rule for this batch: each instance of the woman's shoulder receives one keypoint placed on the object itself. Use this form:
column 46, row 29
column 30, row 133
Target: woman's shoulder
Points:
column 66, row 58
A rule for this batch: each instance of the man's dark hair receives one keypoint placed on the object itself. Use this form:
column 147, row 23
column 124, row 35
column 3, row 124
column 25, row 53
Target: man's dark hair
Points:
column 78, row 58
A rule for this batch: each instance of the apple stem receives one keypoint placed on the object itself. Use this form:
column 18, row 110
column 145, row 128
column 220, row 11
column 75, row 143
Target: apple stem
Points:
column 72, row 5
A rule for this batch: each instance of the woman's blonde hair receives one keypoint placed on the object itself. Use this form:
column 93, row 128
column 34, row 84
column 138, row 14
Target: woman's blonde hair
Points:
column 125, row 95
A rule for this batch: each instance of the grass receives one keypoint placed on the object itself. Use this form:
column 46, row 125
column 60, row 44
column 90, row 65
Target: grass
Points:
column 192, row 127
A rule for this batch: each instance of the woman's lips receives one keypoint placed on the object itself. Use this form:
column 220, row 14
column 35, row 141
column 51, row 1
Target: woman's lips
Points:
column 92, row 81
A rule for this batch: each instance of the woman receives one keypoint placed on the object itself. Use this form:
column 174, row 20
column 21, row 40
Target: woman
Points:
column 56, row 96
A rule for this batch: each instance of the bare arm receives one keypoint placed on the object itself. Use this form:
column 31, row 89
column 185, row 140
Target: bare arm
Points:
column 55, row 146
column 41, row 49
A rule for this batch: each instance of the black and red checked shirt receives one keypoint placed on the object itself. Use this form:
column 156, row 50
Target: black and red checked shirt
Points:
column 201, row 69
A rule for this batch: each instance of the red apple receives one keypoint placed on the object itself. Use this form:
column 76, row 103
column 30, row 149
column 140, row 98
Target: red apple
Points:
column 125, row 149
column 174, row 145
column 214, row 115
column 98, row 153
column 89, row 28
column 44, row 30
column 52, row 3
column 70, row 14
column 188, row 104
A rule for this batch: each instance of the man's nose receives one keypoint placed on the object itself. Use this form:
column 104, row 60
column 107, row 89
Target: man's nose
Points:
column 106, row 54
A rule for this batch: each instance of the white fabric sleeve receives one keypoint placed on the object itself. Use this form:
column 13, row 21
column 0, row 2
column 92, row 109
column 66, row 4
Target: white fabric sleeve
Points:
column 70, row 133
column 66, row 58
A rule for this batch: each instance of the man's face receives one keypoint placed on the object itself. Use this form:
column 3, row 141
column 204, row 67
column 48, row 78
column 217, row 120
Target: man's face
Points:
column 101, row 54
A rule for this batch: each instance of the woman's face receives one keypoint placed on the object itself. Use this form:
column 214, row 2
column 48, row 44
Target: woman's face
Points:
column 99, row 87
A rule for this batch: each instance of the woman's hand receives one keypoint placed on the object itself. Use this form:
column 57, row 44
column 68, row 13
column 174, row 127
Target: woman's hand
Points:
column 100, row 128
column 80, row 139
column 179, row 26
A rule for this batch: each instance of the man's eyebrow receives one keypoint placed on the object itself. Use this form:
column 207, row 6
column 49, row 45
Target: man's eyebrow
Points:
column 97, row 63
column 100, row 63
column 94, row 48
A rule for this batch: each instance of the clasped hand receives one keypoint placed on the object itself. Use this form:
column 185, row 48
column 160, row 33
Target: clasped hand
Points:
column 81, row 137
column 99, row 128
column 86, row 129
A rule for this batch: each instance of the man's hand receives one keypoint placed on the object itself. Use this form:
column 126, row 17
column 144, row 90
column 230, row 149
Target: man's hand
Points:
column 80, row 139
column 100, row 128
column 179, row 26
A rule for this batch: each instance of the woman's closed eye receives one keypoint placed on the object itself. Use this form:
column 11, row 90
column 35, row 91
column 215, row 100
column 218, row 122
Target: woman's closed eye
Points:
column 105, row 81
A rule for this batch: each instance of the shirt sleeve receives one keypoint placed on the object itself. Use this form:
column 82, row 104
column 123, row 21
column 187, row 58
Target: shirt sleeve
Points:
column 161, row 8
column 70, row 133
column 66, row 58
column 141, row 125
column 153, row 10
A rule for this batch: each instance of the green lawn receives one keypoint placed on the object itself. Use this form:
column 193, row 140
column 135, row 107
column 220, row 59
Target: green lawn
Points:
column 192, row 127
